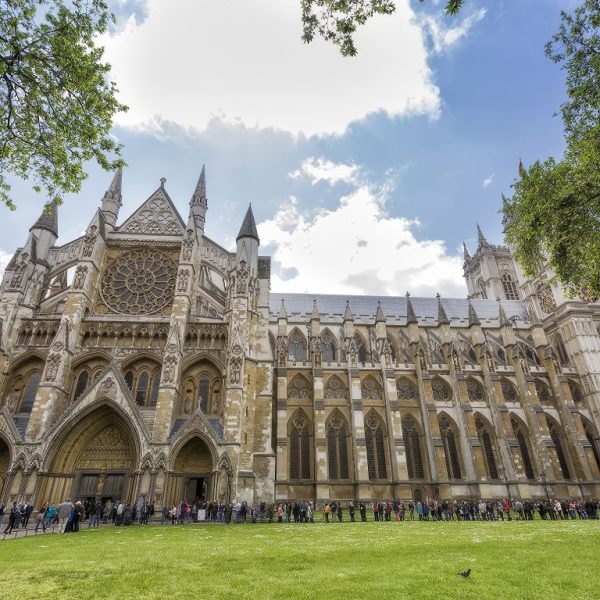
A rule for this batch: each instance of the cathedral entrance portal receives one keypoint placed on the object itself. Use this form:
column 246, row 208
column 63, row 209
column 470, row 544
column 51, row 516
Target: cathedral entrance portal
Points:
column 94, row 461
column 192, row 473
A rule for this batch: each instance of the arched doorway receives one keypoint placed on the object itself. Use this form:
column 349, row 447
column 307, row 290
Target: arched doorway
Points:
column 192, row 474
column 94, row 460
column 4, row 465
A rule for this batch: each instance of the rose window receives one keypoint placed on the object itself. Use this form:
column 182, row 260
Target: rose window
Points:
column 139, row 282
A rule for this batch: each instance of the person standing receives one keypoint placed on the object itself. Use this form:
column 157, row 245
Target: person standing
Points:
column 351, row 511
column 12, row 516
column 64, row 511
column 362, row 507
column 340, row 512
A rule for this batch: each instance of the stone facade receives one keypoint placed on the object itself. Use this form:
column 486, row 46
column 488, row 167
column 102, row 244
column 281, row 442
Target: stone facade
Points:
column 144, row 359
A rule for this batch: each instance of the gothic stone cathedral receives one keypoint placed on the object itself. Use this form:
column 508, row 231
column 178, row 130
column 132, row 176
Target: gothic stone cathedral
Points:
column 143, row 359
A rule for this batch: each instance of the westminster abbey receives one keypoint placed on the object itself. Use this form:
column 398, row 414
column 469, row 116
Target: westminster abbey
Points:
column 145, row 360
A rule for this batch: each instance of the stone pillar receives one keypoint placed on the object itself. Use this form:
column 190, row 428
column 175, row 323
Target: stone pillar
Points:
column 359, row 443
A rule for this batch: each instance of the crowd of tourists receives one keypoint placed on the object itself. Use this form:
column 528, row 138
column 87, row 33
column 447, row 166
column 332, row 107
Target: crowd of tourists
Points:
column 68, row 516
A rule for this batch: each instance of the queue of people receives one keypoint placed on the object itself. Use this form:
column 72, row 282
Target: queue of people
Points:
column 69, row 517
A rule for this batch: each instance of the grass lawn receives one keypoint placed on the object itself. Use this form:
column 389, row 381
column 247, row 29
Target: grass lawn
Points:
column 512, row 560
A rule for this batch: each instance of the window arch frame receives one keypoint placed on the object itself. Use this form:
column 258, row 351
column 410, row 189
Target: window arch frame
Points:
column 376, row 443
column 298, row 346
column 521, row 434
column 474, row 384
column 436, row 389
column 451, row 445
column 486, row 436
column 412, row 435
column 338, row 441
column 507, row 387
column 329, row 350
column 557, row 435
column 300, row 447
column 509, row 287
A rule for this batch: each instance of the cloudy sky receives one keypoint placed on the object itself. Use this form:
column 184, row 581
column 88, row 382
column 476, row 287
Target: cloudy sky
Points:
column 365, row 174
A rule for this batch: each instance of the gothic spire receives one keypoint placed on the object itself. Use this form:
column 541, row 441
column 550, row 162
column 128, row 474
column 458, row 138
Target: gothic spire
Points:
column 442, row 316
column 473, row 318
column 410, row 312
column 466, row 254
column 315, row 311
column 480, row 237
column 112, row 199
column 502, row 315
column 348, row 313
column 282, row 311
column 48, row 219
column 248, row 228
column 379, row 316
column 199, row 196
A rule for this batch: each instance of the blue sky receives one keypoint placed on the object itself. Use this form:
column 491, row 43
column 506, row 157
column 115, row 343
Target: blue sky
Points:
column 365, row 175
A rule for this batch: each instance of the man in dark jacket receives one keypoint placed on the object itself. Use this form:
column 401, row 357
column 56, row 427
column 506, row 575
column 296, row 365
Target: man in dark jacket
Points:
column 12, row 516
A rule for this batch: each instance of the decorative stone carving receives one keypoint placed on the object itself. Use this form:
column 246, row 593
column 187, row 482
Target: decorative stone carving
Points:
column 154, row 217
column 282, row 352
column 89, row 241
column 334, row 388
column 316, row 352
column 187, row 246
column 370, row 390
column 19, row 271
column 183, row 279
column 352, row 352
column 80, row 277
column 406, row 390
column 169, row 369
column 235, row 370
column 474, row 391
column 298, row 389
column 52, row 366
column 241, row 278
column 440, row 390
column 139, row 282
column 546, row 298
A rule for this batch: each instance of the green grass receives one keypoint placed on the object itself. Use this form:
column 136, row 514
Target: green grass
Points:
column 512, row 560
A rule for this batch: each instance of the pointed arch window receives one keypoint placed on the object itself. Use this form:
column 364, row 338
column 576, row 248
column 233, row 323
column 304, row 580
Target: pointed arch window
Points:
column 328, row 353
column 129, row 379
column 441, row 390
column 518, row 431
column 475, row 391
column 154, row 388
column 488, row 448
column 299, row 389
column 412, row 445
column 576, row 392
column 29, row 392
column 509, row 392
column 406, row 389
column 375, row 441
column 557, row 440
column 361, row 350
column 299, row 448
column 337, row 448
column 592, row 438
column 141, row 389
column 296, row 347
column 81, row 385
column 203, row 393
column 450, row 448
column 510, row 287
column 335, row 388
column 543, row 393
column 563, row 357
column 370, row 389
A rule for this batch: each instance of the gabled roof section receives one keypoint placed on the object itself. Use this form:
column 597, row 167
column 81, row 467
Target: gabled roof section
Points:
column 156, row 216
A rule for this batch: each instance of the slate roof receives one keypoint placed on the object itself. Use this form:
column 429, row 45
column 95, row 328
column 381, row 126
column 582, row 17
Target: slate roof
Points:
column 48, row 220
column 299, row 307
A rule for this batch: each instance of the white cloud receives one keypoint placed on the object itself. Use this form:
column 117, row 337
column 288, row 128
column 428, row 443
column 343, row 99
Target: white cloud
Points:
column 357, row 248
column 244, row 61
column 4, row 260
column 321, row 169
column 488, row 180
column 443, row 38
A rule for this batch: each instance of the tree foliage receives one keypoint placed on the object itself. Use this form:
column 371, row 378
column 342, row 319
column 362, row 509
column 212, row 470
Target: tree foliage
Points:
column 553, row 217
column 56, row 102
column 336, row 21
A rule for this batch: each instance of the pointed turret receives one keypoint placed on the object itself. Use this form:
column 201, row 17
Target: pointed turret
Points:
column 43, row 234
column 473, row 318
column 248, row 237
column 48, row 220
column 504, row 321
column 481, row 238
column 466, row 254
column 442, row 316
column 315, row 311
column 112, row 200
column 347, row 312
column 199, row 203
column 282, row 311
column 248, row 228
column 379, row 316
column 410, row 312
